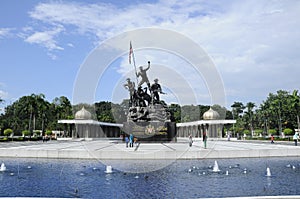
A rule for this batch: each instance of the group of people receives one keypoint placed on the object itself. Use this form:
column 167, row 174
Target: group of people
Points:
column 139, row 96
column 204, row 137
column 131, row 140
column 295, row 138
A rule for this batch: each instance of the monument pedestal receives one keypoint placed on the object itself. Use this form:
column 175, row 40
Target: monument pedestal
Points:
column 151, row 131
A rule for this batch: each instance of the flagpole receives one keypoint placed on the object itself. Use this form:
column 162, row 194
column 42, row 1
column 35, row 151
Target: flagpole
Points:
column 131, row 52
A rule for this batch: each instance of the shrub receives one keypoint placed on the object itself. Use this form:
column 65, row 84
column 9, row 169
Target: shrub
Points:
column 25, row 133
column 247, row 132
column 257, row 132
column 288, row 131
column 33, row 139
column 272, row 131
column 8, row 132
column 4, row 139
column 48, row 132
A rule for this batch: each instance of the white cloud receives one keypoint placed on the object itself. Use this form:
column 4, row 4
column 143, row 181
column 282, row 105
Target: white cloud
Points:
column 3, row 94
column 254, row 44
column 45, row 38
column 70, row 45
column 4, row 32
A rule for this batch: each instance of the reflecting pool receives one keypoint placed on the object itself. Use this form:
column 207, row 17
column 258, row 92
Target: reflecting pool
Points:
column 183, row 179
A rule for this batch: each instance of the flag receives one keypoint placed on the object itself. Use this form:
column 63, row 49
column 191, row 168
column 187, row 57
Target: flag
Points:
column 130, row 52
column 132, row 55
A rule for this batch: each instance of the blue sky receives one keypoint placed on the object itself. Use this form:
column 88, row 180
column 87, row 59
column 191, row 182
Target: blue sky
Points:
column 254, row 46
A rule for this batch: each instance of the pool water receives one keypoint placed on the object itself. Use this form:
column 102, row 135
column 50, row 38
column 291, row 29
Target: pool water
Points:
column 183, row 179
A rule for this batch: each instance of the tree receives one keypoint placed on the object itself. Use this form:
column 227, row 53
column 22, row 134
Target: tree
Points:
column 60, row 108
column 237, row 109
column 104, row 112
column 118, row 113
column 34, row 112
column 221, row 110
column 249, row 115
column 203, row 109
column 63, row 107
column 295, row 101
column 175, row 111
column 277, row 108
column 190, row 113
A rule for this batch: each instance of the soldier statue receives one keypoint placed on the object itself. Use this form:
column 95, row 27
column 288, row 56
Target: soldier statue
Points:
column 131, row 87
column 143, row 74
column 155, row 90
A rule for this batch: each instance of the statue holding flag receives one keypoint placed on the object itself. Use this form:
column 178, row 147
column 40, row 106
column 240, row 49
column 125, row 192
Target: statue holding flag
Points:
column 151, row 121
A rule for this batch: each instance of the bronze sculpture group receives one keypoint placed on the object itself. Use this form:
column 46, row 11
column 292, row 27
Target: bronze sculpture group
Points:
column 144, row 103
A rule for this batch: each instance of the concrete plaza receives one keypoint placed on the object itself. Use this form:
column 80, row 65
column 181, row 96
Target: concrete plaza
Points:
column 114, row 149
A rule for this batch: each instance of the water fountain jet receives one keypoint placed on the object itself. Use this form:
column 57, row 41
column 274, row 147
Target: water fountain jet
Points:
column 108, row 169
column 268, row 174
column 216, row 167
column 2, row 167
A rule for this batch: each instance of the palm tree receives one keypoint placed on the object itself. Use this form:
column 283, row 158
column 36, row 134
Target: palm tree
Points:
column 276, row 107
column 262, row 115
column 237, row 109
column 296, row 105
column 249, row 113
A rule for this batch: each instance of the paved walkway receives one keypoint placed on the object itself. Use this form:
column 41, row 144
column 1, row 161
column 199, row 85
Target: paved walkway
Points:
column 115, row 149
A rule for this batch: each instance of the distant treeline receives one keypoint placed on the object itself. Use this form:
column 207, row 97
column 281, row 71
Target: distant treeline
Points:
column 278, row 112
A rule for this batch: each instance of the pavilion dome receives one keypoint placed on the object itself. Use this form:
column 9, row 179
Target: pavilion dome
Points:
column 211, row 115
column 83, row 115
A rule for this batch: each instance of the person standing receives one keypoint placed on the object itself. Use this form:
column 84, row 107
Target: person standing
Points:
column 143, row 75
column 135, row 141
column 130, row 140
column 228, row 136
column 272, row 139
column 126, row 141
column 204, row 139
column 295, row 138
column 190, row 140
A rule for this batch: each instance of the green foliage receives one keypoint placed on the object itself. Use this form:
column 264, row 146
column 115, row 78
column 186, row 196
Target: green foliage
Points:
column 8, row 132
column 4, row 139
column 34, row 112
column 288, row 131
column 257, row 132
column 220, row 110
column 48, row 132
column 34, row 139
column 104, row 112
column 272, row 131
column 175, row 111
column 237, row 109
column 25, row 132
column 247, row 132
column 279, row 111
